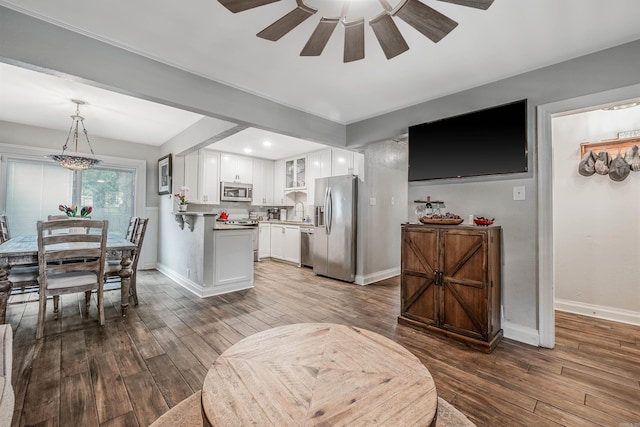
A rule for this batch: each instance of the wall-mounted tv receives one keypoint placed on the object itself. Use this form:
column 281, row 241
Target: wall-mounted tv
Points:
column 484, row 142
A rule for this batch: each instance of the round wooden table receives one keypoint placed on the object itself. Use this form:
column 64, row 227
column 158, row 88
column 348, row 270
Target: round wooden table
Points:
column 318, row 374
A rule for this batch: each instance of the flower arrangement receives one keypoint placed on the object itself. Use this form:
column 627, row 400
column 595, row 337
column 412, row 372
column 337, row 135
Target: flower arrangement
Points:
column 73, row 210
column 182, row 195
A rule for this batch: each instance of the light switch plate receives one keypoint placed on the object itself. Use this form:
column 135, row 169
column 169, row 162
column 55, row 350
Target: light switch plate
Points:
column 518, row 193
column 372, row 201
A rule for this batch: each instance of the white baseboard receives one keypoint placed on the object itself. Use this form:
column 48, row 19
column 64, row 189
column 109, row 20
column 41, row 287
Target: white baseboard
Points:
column 598, row 311
column 200, row 290
column 521, row 333
column 377, row 276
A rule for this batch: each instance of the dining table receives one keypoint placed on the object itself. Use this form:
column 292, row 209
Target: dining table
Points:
column 318, row 374
column 23, row 250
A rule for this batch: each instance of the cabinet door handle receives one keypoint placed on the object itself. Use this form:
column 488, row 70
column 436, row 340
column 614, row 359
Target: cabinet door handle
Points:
column 438, row 278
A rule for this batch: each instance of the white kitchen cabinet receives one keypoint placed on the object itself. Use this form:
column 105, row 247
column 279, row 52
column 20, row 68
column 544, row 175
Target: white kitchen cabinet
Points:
column 262, row 183
column 292, row 244
column 208, row 184
column 318, row 166
column 285, row 242
column 201, row 176
column 347, row 162
column 236, row 168
column 191, row 176
column 277, row 241
column 295, row 173
column 264, row 240
column 279, row 196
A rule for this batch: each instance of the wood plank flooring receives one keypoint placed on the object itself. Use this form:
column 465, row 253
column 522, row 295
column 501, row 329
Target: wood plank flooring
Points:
column 133, row 369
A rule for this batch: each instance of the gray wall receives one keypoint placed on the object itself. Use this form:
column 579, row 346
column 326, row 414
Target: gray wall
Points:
column 606, row 70
column 23, row 135
column 385, row 179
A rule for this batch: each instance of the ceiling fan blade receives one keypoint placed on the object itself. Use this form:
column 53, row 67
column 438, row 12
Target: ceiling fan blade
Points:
column 478, row 4
column 236, row 6
column 353, row 40
column 318, row 40
column 288, row 22
column 428, row 21
column 387, row 33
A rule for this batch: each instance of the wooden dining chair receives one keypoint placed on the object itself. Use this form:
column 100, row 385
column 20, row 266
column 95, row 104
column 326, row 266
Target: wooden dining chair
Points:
column 131, row 229
column 4, row 229
column 113, row 269
column 22, row 277
column 70, row 263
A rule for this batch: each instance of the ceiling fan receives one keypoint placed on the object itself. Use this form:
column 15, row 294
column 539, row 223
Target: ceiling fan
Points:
column 423, row 18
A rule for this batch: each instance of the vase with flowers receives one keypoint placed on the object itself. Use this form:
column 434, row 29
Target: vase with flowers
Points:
column 182, row 198
column 72, row 210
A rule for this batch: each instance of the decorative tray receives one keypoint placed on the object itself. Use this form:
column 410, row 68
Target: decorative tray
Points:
column 448, row 221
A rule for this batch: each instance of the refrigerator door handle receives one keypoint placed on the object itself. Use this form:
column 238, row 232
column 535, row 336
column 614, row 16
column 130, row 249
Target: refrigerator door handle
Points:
column 325, row 211
column 329, row 210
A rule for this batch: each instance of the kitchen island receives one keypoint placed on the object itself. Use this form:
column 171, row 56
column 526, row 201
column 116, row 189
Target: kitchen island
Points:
column 213, row 258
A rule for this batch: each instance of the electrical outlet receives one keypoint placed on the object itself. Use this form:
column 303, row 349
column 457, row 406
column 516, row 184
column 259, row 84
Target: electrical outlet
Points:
column 518, row 193
column 372, row 201
column 393, row 200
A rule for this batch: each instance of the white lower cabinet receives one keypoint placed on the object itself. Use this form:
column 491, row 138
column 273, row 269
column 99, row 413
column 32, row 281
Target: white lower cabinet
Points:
column 264, row 241
column 285, row 242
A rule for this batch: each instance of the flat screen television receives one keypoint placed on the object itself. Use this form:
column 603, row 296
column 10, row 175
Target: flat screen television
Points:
column 484, row 142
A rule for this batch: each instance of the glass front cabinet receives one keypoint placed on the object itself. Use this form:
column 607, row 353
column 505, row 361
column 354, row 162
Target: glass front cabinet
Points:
column 295, row 173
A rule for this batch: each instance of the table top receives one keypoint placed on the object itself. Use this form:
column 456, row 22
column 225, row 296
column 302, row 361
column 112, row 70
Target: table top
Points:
column 318, row 374
column 28, row 245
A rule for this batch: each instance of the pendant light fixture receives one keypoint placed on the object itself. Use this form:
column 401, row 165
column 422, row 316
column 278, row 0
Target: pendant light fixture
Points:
column 75, row 162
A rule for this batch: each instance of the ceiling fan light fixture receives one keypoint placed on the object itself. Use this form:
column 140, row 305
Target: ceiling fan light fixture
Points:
column 428, row 21
column 75, row 162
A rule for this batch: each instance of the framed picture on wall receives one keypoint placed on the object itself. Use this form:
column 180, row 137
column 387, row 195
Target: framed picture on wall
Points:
column 164, row 175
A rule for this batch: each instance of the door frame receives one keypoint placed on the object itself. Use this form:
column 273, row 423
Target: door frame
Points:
column 546, row 258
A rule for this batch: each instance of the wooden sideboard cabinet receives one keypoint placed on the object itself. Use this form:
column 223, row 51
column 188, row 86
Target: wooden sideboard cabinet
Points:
column 450, row 282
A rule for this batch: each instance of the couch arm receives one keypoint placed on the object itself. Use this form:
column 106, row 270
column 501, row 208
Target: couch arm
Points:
column 7, row 398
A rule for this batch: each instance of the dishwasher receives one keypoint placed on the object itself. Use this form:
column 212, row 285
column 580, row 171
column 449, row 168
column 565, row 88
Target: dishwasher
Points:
column 306, row 246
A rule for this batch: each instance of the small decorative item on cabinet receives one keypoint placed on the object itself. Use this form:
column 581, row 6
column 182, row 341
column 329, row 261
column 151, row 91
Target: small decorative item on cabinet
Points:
column 480, row 220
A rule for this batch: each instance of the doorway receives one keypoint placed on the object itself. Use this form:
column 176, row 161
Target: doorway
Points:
column 546, row 242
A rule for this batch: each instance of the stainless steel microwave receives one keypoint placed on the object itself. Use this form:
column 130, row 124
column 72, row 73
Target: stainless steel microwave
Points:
column 236, row 192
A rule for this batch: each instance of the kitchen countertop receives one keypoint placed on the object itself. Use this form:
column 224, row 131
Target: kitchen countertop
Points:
column 277, row 221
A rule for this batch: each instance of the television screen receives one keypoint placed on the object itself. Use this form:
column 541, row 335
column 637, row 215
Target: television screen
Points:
column 484, row 142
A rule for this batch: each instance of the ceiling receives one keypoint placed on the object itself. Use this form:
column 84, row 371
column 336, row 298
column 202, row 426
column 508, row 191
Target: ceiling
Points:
column 203, row 37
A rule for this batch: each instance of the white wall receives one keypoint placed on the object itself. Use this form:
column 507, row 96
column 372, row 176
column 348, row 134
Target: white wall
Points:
column 596, row 222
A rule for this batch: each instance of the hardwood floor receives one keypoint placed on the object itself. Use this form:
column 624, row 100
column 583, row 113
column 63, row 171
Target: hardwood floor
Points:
column 133, row 369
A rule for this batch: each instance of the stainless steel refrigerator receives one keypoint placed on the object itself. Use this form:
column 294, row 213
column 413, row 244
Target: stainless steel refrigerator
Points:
column 334, row 237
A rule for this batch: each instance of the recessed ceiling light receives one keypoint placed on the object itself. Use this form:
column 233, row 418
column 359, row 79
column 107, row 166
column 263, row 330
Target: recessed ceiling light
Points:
column 267, row 143
column 247, row 150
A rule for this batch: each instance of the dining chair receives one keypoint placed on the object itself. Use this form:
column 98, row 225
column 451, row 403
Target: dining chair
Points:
column 22, row 276
column 131, row 229
column 4, row 229
column 113, row 269
column 70, row 263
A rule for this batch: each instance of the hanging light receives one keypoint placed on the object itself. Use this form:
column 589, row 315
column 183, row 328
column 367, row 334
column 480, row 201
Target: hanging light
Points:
column 75, row 162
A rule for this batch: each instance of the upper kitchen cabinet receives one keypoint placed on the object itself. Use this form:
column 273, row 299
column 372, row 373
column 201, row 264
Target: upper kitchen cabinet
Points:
column 295, row 173
column 318, row 166
column 278, row 184
column 201, row 176
column 236, row 168
column 347, row 162
column 263, row 174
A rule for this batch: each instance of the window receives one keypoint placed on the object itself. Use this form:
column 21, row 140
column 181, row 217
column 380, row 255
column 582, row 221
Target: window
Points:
column 36, row 188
